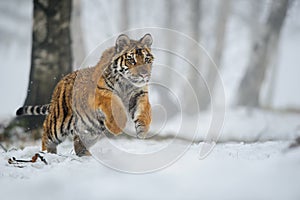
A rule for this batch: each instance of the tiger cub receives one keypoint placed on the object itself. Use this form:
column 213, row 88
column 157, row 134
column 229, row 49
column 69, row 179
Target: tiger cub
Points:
column 95, row 100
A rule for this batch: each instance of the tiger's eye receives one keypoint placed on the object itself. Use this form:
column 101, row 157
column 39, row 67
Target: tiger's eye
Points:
column 129, row 56
column 130, row 59
column 148, row 59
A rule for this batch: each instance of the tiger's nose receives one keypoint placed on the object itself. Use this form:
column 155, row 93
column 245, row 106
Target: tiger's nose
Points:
column 143, row 72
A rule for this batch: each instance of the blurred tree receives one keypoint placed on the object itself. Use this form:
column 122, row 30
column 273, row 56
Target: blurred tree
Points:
column 193, row 74
column 124, row 17
column 51, row 56
column 169, row 22
column 261, row 54
column 223, row 13
column 256, row 8
column 77, row 34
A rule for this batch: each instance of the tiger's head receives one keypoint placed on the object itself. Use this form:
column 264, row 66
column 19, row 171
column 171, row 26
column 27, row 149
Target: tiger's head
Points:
column 133, row 59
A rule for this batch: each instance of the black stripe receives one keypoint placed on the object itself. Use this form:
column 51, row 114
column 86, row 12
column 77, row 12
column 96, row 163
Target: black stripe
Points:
column 76, row 129
column 32, row 110
column 108, row 85
column 115, row 65
column 69, row 123
column 81, row 118
column 133, row 102
column 102, row 88
column 44, row 109
column 50, row 125
column 55, row 124
column 138, row 51
column 65, row 111
column 138, row 125
column 49, row 137
column 38, row 109
column 82, row 111
column 92, row 122
column 77, row 114
column 76, row 125
column 20, row 111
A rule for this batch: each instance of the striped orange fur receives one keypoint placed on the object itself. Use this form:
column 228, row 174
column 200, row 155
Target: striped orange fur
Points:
column 89, row 102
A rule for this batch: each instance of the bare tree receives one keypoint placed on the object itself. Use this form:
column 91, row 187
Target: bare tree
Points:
column 220, row 31
column 124, row 17
column 51, row 56
column 170, row 23
column 163, row 94
column 261, row 54
column 78, row 47
column 195, row 55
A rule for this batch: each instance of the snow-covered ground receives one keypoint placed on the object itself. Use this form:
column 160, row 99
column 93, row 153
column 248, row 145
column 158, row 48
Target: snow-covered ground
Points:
column 239, row 125
column 232, row 171
column 251, row 160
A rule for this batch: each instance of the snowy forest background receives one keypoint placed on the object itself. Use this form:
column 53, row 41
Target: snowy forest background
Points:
column 255, row 46
column 242, row 23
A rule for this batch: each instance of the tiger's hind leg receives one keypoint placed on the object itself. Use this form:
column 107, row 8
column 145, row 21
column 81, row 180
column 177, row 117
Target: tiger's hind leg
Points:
column 80, row 148
column 48, row 145
column 50, row 140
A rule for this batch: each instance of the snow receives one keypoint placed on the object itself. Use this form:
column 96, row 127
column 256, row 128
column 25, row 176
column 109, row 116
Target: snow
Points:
column 240, row 125
column 232, row 171
column 251, row 160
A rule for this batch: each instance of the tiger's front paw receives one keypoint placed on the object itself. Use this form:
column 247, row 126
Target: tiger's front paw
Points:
column 141, row 135
column 141, row 131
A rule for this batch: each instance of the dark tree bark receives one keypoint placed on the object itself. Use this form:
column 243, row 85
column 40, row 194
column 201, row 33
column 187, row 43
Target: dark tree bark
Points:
column 51, row 56
column 261, row 55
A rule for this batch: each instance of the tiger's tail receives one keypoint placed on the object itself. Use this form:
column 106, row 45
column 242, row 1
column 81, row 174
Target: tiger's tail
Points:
column 33, row 110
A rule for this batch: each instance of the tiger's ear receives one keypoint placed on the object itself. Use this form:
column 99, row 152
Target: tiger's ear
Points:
column 147, row 40
column 122, row 42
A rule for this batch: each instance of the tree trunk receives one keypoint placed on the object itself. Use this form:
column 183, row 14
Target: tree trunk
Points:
column 51, row 56
column 78, row 46
column 124, row 17
column 195, row 55
column 261, row 54
column 220, row 31
column 169, row 23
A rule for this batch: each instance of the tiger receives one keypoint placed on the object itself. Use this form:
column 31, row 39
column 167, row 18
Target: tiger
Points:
column 97, row 100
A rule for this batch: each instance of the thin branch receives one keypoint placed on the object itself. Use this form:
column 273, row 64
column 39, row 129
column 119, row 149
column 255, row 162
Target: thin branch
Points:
column 3, row 147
